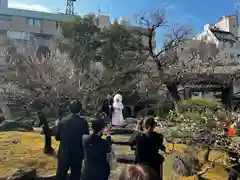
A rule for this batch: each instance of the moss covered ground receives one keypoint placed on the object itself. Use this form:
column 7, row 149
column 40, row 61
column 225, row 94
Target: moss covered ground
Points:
column 24, row 149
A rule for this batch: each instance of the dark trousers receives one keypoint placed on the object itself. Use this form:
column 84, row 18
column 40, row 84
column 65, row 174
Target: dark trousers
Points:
column 108, row 120
column 64, row 163
column 233, row 175
column 158, row 168
column 96, row 172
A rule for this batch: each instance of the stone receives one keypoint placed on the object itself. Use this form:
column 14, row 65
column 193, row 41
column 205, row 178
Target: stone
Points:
column 130, row 120
column 11, row 125
column 126, row 159
column 31, row 122
column 23, row 174
column 119, row 131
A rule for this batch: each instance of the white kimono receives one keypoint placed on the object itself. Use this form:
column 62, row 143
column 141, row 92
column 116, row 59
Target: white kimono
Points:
column 117, row 117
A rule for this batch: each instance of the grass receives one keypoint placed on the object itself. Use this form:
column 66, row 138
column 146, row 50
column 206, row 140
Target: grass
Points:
column 21, row 149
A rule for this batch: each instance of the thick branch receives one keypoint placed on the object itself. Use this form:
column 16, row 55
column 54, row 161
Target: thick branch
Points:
column 199, row 174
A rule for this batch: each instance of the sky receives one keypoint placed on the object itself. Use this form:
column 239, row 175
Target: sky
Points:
column 195, row 13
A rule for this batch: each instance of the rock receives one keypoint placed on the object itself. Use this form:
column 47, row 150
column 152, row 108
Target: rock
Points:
column 15, row 141
column 119, row 131
column 130, row 120
column 2, row 118
column 31, row 122
column 186, row 164
column 126, row 159
column 23, row 174
column 28, row 174
column 10, row 125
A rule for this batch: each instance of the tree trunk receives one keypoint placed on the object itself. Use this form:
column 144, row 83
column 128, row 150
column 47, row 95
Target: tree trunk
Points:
column 47, row 133
column 226, row 97
column 206, row 155
column 173, row 90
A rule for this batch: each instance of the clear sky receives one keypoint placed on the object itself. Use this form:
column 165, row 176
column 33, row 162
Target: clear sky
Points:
column 193, row 12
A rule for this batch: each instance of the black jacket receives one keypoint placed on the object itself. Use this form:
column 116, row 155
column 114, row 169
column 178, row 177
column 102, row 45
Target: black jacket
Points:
column 69, row 132
column 147, row 146
column 107, row 107
column 96, row 166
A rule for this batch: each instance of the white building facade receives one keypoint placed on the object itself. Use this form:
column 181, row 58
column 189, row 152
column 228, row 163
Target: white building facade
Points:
column 221, row 38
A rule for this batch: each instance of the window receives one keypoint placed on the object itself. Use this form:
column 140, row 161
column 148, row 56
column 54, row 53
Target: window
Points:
column 238, row 56
column 5, row 18
column 33, row 22
column 17, row 35
column 3, row 32
column 226, row 55
column 231, row 56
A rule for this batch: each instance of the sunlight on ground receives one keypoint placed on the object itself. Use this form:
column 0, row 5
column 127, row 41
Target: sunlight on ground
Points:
column 18, row 149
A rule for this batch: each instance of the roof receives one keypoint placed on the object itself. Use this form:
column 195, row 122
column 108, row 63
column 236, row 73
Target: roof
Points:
column 223, row 35
column 136, row 29
column 35, row 14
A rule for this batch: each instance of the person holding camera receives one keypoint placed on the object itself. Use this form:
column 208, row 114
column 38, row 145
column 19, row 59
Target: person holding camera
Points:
column 96, row 165
column 147, row 144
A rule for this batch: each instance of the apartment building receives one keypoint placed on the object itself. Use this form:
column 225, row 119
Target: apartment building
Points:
column 220, row 38
column 28, row 26
column 34, row 28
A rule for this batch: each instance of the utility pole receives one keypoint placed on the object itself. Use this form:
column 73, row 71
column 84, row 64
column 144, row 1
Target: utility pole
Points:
column 237, row 11
column 70, row 6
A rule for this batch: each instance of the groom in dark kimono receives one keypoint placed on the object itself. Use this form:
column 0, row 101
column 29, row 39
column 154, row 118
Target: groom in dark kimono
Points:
column 107, row 109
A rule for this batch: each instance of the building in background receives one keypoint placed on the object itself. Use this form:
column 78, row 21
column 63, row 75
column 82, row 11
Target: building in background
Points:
column 30, row 27
column 221, row 38
column 105, row 21
column 37, row 28
column 224, row 34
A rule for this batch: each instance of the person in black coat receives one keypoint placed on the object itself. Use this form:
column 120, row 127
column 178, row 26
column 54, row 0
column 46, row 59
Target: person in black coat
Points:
column 69, row 132
column 96, row 166
column 107, row 109
column 148, row 143
column 234, row 173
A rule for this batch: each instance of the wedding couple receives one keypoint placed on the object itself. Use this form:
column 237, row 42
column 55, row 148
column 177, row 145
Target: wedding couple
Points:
column 113, row 109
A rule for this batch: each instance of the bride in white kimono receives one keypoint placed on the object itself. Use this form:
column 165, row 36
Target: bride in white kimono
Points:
column 117, row 118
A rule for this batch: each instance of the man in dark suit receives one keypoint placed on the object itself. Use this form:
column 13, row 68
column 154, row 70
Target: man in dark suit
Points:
column 69, row 132
column 107, row 109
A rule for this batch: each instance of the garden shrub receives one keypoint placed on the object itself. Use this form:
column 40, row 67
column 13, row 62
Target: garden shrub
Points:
column 197, row 113
column 199, row 104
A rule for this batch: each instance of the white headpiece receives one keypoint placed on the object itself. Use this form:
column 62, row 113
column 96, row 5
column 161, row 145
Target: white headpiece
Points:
column 117, row 96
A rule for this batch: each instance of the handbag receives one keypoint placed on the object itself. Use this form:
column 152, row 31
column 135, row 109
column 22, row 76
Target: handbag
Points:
column 112, row 159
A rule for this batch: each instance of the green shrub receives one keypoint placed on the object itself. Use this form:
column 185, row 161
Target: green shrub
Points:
column 197, row 112
column 199, row 104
